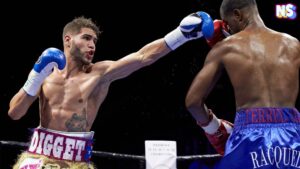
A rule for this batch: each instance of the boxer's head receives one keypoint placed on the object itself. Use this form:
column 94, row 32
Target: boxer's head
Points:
column 237, row 13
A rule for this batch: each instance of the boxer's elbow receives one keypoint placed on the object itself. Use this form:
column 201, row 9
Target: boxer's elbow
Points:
column 14, row 114
column 193, row 104
column 195, row 107
column 147, row 59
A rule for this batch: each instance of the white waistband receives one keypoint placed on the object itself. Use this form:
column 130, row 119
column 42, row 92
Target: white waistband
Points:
column 86, row 135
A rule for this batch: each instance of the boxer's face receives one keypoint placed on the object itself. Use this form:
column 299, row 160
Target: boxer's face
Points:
column 83, row 45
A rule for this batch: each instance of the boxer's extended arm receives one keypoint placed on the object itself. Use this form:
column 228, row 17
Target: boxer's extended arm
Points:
column 191, row 27
column 49, row 59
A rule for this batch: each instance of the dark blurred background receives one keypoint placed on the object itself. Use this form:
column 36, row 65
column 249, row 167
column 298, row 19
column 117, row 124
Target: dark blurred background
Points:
column 149, row 104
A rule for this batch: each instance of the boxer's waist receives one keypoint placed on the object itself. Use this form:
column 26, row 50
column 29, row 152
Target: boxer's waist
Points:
column 266, row 116
column 72, row 146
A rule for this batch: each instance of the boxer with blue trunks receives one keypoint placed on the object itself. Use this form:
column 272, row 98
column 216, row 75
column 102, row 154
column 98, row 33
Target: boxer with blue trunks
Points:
column 263, row 67
column 264, row 138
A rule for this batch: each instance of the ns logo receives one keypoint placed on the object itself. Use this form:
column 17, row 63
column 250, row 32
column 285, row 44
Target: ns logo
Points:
column 286, row 11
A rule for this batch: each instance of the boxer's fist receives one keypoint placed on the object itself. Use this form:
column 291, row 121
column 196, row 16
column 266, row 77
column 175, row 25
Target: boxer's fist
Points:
column 219, row 138
column 49, row 59
column 217, row 131
column 197, row 25
column 191, row 27
column 220, row 33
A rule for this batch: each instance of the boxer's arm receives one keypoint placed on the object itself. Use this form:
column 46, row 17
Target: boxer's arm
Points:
column 191, row 27
column 297, row 49
column 135, row 61
column 19, row 104
column 49, row 59
column 216, row 130
column 202, row 85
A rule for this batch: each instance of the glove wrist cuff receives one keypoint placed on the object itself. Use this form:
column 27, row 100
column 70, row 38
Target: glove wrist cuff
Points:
column 33, row 83
column 175, row 39
column 212, row 125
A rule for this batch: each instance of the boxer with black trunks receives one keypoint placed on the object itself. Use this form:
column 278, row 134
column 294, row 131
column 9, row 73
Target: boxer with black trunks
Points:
column 263, row 67
column 71, row 89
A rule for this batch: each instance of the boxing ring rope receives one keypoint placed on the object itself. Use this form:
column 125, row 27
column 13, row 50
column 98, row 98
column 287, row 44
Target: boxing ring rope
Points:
column 116, row 155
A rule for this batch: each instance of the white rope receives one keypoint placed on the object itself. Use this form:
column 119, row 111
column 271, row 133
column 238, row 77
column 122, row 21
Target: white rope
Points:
column 117, row 155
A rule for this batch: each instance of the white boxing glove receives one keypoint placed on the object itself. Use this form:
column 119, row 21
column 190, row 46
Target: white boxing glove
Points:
column 193, row 26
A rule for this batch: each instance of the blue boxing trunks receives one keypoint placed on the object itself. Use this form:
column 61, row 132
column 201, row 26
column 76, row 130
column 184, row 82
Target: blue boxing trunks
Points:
column 263, row 138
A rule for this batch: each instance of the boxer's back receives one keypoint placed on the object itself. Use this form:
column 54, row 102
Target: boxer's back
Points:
column 263, row 66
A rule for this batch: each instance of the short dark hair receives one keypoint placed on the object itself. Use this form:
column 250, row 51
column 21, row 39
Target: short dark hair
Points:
column 229, row 5
column 78, row 23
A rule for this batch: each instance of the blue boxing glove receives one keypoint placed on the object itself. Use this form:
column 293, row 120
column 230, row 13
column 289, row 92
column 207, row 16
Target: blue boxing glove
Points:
column 193, row 26
column 49, row 59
